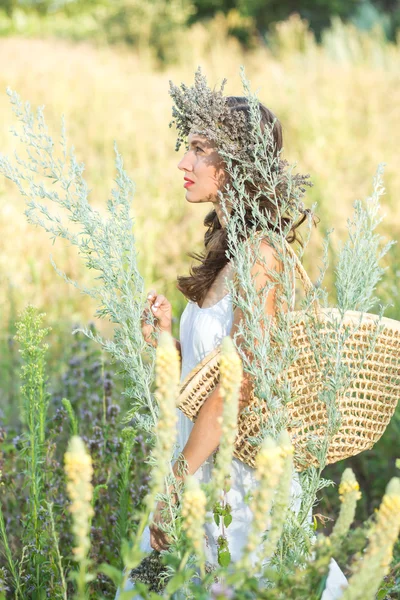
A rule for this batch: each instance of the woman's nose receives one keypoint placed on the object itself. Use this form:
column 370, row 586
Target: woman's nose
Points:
column 185, row 164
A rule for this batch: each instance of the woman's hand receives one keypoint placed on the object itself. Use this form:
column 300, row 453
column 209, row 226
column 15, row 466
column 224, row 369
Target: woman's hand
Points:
column 162, row 310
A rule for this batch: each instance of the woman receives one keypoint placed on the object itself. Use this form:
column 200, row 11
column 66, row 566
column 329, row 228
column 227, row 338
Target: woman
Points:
column 208, row 317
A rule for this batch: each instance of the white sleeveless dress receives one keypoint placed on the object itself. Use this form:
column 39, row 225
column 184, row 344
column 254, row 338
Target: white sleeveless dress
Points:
column 201, row 330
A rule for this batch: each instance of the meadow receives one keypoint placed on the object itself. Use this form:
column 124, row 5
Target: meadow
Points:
column 339, row 104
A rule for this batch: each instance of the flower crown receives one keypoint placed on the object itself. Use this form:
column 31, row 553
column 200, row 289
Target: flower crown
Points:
column 201, row 110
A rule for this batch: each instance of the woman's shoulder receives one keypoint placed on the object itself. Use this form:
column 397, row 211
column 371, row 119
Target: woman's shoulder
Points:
column 266, row 248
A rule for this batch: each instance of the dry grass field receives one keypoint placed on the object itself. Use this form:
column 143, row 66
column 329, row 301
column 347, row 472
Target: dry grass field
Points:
column 339, row 104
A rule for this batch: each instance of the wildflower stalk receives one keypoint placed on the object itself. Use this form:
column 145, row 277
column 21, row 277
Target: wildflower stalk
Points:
column 167, row 381
column 193, row 513
column 125, row 461
column 281, row 499
column 358, row 258
column 57, row 548
column 349, row 493
column 71, row 415
column 79, row 471
column 167, row 369
column 230, row 369
column 30, row 335
column 375, row 562
column 106, row 244
column 269, row 467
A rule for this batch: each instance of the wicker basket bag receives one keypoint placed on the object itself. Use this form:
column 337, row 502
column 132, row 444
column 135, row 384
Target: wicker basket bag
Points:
column 366, row 406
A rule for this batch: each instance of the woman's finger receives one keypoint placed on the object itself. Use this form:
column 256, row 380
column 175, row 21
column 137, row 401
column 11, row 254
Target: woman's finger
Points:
column 158, row 538
column 158, row 302
column 157, row 543
column 151, row 295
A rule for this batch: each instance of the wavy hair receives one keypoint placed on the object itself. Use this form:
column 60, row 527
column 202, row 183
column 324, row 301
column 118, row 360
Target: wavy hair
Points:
column 196, row 285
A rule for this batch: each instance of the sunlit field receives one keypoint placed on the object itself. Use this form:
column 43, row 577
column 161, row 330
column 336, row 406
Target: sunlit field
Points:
column 339, row 106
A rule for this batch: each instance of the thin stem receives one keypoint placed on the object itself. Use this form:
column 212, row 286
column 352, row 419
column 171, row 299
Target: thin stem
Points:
column 8, row 554
column 56, row 544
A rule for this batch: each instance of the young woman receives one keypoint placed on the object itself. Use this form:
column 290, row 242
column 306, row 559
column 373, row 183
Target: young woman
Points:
column 208, row 317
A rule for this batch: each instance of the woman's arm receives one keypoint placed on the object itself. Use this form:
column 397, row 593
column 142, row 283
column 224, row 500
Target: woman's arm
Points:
column 205, row 435
column 206, row 432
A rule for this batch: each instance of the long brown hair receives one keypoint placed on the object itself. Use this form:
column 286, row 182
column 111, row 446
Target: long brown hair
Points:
column 195, row 285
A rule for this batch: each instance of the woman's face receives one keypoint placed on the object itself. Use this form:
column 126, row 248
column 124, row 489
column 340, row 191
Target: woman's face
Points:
column 205, row 168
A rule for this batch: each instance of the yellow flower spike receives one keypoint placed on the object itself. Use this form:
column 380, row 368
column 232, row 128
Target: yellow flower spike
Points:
column 194, row 513
column 282, row 497
column 349, row 493
column 231, row 372
column 167, row 370
column 374, row 565
column 79, row 471
column 269, row 467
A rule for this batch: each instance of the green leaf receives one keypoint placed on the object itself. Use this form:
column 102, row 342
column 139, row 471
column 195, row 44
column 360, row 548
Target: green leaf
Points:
column 224, row 558
column 216, row 518
column 227, row 520
column 382, row 594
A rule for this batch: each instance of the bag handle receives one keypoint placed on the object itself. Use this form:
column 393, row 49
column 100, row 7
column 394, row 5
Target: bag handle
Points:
column 303, row 275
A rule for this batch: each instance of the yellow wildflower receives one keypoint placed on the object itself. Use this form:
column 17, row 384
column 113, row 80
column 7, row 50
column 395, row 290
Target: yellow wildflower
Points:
column 231, row 371
column 269, row 466
column 79, row 471
column 194, row 512
column 374, row 565
column 349, row 493
column 282, row 497
column 167, row 382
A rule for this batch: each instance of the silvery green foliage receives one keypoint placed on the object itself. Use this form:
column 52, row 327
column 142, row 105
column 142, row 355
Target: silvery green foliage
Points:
column 266, row 346
column 107, row 245
column 57, row 199
column 357, row 270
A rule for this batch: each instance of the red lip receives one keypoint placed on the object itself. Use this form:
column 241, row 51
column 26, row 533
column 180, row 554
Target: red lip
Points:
column 188, row 182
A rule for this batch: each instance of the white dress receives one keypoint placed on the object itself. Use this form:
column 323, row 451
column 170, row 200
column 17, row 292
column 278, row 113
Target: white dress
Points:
column 201, row 330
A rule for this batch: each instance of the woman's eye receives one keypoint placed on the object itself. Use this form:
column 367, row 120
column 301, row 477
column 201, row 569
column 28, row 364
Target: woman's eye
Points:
column 198, row 148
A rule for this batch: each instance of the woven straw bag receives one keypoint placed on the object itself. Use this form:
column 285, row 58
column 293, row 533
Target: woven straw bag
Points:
column 366, row 406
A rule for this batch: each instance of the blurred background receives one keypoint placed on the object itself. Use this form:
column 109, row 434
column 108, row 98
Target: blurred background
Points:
column 330, row 71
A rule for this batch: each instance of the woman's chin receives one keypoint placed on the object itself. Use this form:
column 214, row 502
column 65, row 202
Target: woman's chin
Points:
column 192, row 198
